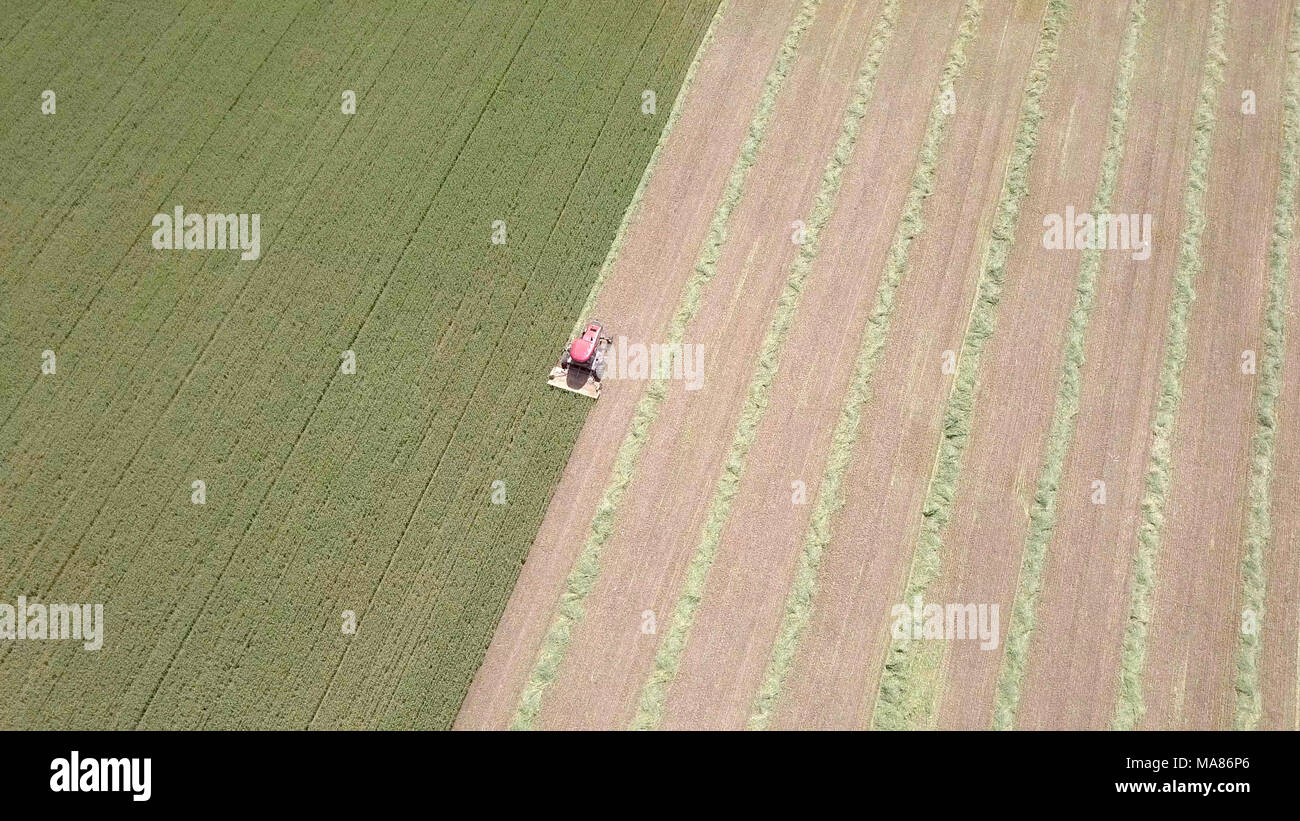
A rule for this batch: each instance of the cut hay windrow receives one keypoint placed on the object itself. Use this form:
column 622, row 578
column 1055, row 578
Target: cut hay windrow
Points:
column 1042, row 518
column 650, row 710
column 1259, row 527
column 582, row 578
column 906, row 696
column 634, row 205
column 799, row 602
column 1160, row 468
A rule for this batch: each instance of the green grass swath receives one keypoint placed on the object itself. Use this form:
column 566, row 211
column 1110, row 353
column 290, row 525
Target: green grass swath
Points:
column 1259, row 528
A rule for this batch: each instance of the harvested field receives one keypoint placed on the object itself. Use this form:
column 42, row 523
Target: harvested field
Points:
column 1191, row 675
column 920, row 402
column 726, row 658
column 984, row 544
column 1083, row 602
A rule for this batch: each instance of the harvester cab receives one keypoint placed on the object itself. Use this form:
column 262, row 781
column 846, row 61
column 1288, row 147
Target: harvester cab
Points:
column 582, row 365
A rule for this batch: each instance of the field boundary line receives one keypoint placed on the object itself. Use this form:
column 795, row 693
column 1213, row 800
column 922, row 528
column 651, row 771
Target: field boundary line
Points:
column 668, row 658
column 582, row 577
column 1130, row 707
column 1259, row 526
column 1042, row 518
column 830, row 498
column 903, row 701
column 634, row 204
column 198, row 358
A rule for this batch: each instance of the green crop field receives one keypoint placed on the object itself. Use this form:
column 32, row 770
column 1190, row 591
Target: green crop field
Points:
column 130, row 372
